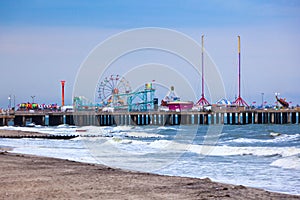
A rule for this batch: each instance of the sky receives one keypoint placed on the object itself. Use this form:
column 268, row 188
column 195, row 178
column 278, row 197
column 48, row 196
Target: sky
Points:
column 44, row 42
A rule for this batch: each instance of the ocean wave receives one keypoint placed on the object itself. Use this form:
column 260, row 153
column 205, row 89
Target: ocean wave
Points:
column 291, row 162
column 168, row 128
column 160, row 144
column 207, row 150
column 137, row 135
column 223, row 150
column 43, row 129
column 231, row 151
column 143, row 135
column 272, row 139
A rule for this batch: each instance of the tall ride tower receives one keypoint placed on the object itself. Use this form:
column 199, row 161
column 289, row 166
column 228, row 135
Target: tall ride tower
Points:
column 203, row 100
column 239, row 101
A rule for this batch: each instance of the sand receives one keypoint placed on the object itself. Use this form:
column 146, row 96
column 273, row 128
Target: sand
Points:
column 18, row 133
column 33, row 177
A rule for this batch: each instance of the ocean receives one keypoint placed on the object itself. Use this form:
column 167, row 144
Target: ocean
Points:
column 261, row 156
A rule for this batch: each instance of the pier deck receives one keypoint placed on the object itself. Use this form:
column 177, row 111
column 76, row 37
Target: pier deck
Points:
column 219, row 116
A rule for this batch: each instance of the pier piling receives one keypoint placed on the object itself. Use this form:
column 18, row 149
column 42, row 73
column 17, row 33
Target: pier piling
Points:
column 156, row 118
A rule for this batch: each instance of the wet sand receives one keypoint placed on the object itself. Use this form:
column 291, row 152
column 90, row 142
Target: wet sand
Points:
column 33, row 177
column 18, row 133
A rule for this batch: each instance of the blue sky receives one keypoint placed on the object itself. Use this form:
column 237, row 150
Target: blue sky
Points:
column 135, row 13
column 43, row 42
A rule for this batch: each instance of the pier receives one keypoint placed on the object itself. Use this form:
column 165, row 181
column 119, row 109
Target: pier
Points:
column 156, row 118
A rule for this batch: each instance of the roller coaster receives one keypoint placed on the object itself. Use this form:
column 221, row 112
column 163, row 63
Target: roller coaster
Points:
column 282, row 102
column 115, row 93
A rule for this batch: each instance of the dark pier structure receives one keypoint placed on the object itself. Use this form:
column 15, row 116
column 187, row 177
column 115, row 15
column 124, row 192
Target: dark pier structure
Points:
column 39, row 118
column 157, row 118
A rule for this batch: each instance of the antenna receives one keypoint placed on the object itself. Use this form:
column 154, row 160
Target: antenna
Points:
column 203, row 100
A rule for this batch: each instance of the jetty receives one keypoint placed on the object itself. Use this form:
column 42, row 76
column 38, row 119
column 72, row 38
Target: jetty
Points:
column 40, row 136
column 216, row 116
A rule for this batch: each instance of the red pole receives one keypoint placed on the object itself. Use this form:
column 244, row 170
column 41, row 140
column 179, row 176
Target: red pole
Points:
column 62, row 93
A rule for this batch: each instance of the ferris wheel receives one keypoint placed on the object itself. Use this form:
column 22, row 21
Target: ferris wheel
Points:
column 111, row 86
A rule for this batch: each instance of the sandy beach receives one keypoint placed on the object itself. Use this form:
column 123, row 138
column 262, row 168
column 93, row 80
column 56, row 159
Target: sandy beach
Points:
column 18, row 133
column 33, row 177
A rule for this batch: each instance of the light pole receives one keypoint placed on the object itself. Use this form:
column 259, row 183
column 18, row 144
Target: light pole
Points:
column 14, row 101
column 9, row 102
column 32, row 99
column 262, row 100
column 277, row 98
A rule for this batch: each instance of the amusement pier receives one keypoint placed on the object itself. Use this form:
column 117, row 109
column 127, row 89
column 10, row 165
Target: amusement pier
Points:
column 228, row 116
column 117, row 104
